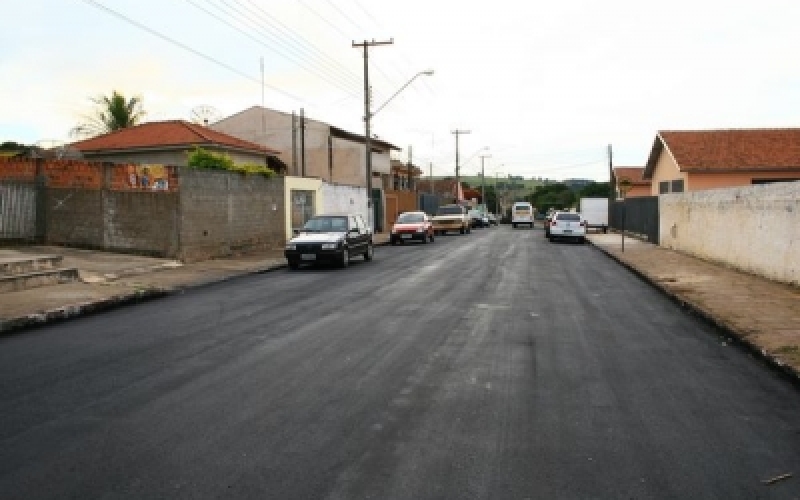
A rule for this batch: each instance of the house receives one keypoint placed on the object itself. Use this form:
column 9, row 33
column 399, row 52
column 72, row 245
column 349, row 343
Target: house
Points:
column 694, row 160
column 311, row 148
column 639, row 186
column 169, row 142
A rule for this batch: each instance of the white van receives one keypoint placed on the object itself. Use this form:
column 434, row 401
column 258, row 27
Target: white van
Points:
column 522, row 214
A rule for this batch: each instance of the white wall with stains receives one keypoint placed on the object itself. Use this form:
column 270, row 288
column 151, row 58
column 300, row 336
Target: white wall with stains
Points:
column 754, row 228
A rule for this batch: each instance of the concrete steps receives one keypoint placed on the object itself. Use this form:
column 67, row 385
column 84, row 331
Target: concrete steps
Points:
column 25, row 272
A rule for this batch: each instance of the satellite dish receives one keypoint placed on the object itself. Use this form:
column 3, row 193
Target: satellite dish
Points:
column 53, row 148
column 203, row 115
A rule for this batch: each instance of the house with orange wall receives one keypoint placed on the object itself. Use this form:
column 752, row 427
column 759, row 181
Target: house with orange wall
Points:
column 639, row 186
column 695, row 160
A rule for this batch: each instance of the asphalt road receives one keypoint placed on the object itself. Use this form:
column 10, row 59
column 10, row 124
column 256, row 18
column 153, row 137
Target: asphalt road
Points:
column 487, row 366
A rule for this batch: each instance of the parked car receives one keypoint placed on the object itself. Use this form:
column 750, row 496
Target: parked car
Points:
column 451, row 218
column 330, row 239
column 568, row 225
column 412, row 226
column 478, row 219
column 547, row 221
column 492, row 219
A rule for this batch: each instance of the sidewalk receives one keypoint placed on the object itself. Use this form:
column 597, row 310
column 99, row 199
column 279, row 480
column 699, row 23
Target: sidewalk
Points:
column 763, row 315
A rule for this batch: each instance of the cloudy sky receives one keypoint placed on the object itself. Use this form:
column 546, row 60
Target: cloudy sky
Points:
column 545, row 86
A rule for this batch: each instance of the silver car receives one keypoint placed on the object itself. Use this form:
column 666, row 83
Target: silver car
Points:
column 567, row 225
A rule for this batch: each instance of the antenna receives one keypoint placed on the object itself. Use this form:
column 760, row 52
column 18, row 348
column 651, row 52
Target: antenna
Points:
column 204, row 114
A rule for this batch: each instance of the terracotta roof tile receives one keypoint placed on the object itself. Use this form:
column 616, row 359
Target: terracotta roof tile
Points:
column 166, row 134
column 635, row 174
column 734, row 149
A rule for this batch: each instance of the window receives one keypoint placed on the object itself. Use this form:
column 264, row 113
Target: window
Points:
column 663, row 187
column 677, row 186
column 568, row 217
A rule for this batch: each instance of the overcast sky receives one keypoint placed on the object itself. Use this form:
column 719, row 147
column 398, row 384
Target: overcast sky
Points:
column 546, row 86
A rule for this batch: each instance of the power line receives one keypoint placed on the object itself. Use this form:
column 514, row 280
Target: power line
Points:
column 305, row 45
column 190, row 49
column 276, row 41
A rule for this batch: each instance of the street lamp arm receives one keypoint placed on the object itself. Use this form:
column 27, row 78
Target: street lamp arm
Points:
column 428, row 72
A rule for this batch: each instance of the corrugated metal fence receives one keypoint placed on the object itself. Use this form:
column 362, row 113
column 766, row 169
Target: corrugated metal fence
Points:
column 18, row 211
column 640, row 217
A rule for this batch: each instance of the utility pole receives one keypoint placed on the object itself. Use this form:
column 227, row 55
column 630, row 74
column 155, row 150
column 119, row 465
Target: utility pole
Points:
column 430, row 175
column 483, row 181
column 302, row 142
column 294, row 143
column 612, row 187
column 367, row 116
column 458, row 132
column 409, row 167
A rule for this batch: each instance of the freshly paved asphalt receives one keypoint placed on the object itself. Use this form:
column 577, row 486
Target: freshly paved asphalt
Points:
column 489, row 366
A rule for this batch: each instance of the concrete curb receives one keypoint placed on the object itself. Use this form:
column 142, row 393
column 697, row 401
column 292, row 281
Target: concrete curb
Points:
column 731, row 334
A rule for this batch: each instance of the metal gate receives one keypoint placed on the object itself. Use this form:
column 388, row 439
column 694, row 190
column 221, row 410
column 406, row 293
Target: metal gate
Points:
column 302, row 207
column 18, row 211
column 638, row 215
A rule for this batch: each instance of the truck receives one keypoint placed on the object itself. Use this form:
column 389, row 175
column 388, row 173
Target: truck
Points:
column 595, row 212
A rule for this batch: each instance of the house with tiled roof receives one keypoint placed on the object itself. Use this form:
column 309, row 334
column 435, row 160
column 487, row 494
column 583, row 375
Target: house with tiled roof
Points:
column 695, row 160
column 169, row 142
column 635, row 175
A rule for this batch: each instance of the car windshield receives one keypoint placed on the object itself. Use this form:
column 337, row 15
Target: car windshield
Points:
column 326, row 224
column 569, row 217
column 522, row 209
column 475, row 213
column 450, row 211
column 410, row 218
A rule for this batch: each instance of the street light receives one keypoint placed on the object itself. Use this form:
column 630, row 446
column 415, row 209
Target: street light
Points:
column 368, row 140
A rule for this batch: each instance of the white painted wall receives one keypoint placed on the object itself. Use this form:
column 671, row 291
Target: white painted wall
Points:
column 337, row 198
column 754, row 228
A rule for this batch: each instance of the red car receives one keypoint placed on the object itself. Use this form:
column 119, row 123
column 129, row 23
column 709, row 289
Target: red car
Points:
column 412, row 226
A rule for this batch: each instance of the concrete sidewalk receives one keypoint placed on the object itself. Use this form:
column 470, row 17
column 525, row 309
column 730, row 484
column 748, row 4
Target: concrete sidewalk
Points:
column 762, row 315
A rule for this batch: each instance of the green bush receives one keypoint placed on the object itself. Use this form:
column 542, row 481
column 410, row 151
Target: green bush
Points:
column 201, row 158
column 252, row 168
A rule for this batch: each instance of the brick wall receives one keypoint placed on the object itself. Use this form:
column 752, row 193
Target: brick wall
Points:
column 150, row 209
column 226, row 213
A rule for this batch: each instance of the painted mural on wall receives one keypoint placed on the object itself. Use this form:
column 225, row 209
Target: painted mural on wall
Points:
column 148, row 177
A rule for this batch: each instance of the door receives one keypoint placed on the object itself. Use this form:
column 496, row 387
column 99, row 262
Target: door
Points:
column 302, row 207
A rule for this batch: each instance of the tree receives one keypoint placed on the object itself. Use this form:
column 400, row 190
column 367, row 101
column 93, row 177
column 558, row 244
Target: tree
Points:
column 595, row 190
column 557, row 195
column 113, row 112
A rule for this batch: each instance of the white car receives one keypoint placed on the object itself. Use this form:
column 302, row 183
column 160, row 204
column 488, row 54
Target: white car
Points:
column 568, row 225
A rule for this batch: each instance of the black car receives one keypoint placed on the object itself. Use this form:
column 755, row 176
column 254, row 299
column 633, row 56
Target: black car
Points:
column 330, row 239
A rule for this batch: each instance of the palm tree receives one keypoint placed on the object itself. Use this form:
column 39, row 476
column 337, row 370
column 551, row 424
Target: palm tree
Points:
column 112, row 113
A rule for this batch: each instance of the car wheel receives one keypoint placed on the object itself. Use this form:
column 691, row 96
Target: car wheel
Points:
column 513, row 226
column 424, row 238
column 550, row 239
column 293, row 264
column 462, row 230
column 345, row 258
column 368, row 253
column 469, row 230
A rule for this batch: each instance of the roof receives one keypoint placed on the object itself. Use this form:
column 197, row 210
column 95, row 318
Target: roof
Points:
column 166, row 135
column 728, row 150
column 635, row 174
